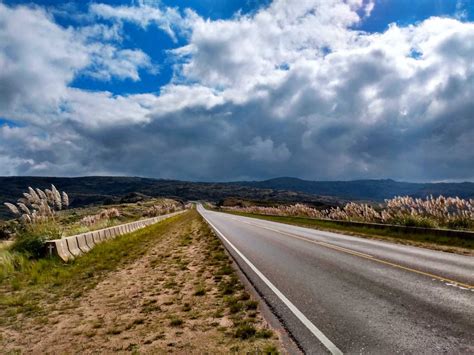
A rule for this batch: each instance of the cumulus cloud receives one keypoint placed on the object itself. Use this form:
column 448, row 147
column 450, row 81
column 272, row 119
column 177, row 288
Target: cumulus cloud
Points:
column 145, row 14
column 288, row 90
column 39, row 59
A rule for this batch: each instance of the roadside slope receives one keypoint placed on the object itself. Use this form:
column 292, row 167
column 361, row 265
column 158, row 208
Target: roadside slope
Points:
column 174, row 293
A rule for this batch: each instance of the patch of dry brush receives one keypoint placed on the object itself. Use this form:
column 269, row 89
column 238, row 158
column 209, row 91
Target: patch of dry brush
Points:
column 447, row 212
column 104, row 215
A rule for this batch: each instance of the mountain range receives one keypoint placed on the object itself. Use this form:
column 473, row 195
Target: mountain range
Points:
column 111, row 189
column 376, row 190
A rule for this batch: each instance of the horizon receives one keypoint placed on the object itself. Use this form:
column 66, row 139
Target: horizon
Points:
column 234, row 181
column 333, row 90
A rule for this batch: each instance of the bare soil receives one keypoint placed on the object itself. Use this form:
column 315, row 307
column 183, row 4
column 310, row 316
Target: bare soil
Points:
column 181, row 296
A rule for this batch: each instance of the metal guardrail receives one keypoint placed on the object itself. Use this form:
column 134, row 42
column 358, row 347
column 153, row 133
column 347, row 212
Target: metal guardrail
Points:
column 462, row 234
column 405, row 229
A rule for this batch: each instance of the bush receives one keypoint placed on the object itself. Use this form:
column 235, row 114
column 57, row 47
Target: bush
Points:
column 416, row 221
column 30, row 240
column 11, row 261
column 461, row 223
column 245, row 331
column 176, row 322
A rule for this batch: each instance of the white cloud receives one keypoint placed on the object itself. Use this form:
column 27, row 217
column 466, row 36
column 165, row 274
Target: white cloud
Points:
column 232, row 52
column 39, row 60
column 288, row 90
column 143, row 15
column 108, row 61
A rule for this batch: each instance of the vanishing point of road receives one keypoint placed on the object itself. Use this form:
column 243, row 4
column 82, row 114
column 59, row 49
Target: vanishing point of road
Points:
column 343, row 294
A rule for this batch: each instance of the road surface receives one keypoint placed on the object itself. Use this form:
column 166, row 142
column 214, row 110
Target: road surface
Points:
column 343, row 294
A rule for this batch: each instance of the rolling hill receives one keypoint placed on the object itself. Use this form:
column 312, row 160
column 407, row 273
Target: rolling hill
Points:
column 107, row 190
column 376, row 190
column 89, row 190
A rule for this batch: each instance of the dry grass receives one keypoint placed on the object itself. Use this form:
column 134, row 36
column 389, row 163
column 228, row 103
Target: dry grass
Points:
column 171, row 289
column 37, row 205
column 81, row 220
column 445, row 212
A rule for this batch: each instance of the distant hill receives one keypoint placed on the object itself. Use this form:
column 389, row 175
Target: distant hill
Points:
column 376, row 190
column 107, row 190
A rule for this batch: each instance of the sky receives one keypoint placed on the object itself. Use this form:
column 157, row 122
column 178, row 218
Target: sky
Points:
column 213, row 90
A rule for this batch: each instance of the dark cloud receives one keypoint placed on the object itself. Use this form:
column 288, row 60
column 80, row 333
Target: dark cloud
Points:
column 366, row 108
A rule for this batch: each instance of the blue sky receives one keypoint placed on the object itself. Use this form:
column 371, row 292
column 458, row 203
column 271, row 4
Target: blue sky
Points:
column 181, row 89
column 156, row 43
column 151, row 40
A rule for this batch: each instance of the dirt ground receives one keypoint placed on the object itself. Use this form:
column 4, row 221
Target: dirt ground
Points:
column 181, row 296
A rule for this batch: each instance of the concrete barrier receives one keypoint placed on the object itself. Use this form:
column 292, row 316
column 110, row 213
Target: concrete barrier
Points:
column 104, row 236
column 82, row 244
column 97, row 238
column 90, row 240
column 73, row 246
column 60, row 246
column 76, row 245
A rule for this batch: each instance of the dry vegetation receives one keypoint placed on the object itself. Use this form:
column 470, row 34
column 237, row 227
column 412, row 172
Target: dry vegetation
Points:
column 80, row 220
column 37, row 205
column 439, row 212
column 42, row 215
column 168, row 288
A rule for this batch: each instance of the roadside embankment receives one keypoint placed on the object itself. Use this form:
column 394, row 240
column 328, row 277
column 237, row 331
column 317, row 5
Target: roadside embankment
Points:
column 169, row 287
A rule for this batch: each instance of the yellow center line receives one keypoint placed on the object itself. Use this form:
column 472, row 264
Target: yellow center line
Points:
column 362, row 255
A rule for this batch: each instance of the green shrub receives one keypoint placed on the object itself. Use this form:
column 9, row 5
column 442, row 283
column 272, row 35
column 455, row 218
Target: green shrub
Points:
column 251, row 304
column 6, row 230
column 200, row 291
column 30, row 240
column 176, row 322
column 264, row 333
column 417, row 221
column 245, row 331
column 11, row 261
column 461, row 223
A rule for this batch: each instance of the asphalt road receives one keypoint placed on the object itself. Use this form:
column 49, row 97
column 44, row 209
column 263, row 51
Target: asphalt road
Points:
column 343, row 294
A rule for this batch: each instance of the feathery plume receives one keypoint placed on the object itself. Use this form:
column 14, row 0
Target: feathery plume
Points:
column 26, row 218
column 50, row 196
column 57, row 197
column 34, row 196
column 41, row 194
column 28, row 197
column 65, row 199
column 13, row 209
column 24, row 208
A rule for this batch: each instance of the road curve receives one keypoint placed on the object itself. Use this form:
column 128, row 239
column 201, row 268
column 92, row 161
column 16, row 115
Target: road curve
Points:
column 343, row 294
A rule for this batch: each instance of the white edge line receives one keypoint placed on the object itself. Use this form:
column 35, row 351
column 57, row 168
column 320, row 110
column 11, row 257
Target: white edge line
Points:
column 312, row 328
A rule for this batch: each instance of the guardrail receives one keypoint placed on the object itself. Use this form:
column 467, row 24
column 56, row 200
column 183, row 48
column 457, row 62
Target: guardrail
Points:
column 462, row 234
column 406, row 229
column 71, row 247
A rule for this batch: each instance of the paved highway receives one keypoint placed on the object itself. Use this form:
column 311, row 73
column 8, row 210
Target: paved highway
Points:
column 343, row 294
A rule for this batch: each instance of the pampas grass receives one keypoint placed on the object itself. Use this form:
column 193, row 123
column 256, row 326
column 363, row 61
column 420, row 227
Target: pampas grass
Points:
column 13, row 209
column 103, row 215
column 38, row 205
column 446, row 212
column 163, row 208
